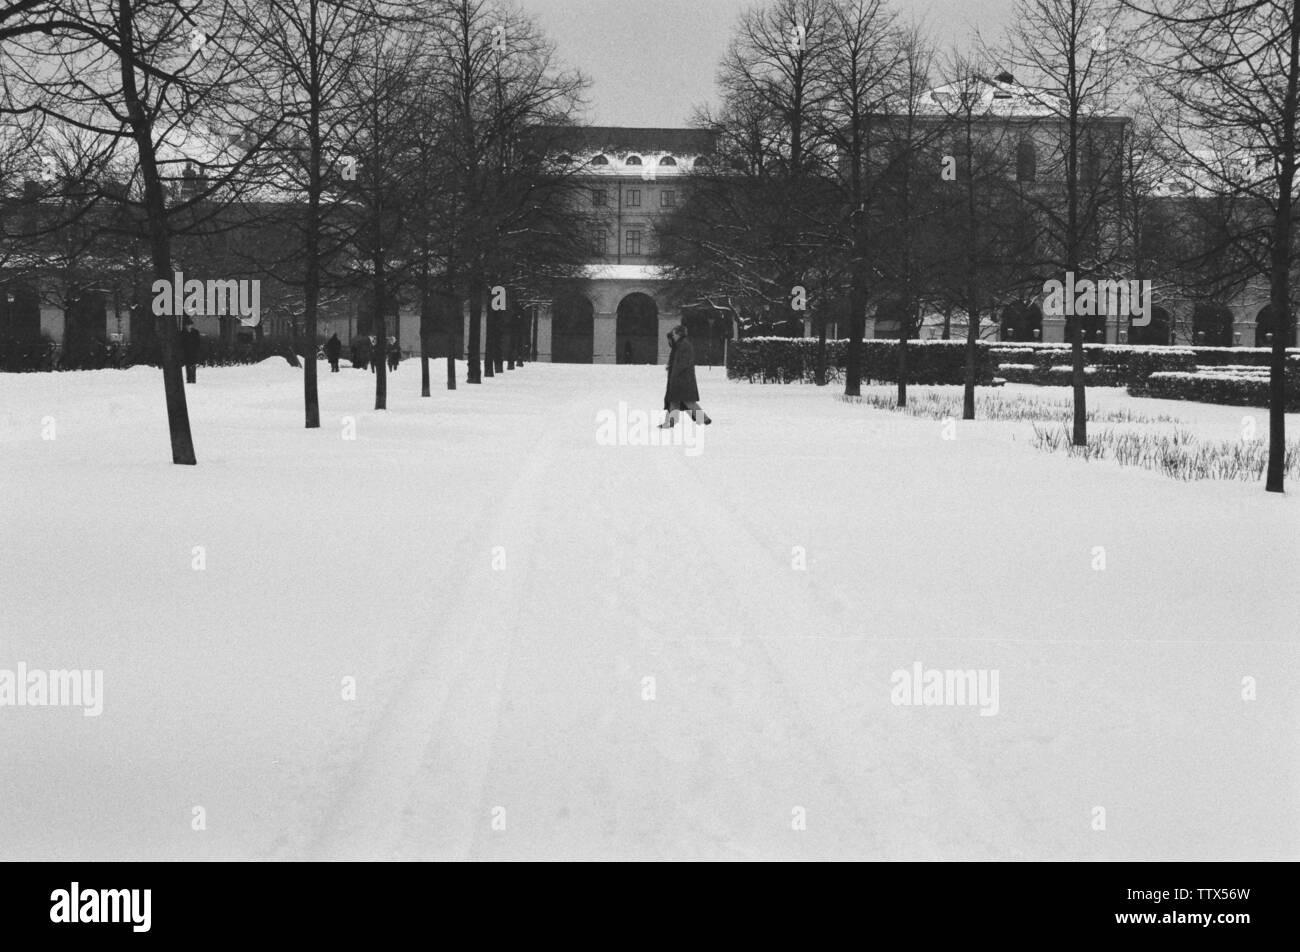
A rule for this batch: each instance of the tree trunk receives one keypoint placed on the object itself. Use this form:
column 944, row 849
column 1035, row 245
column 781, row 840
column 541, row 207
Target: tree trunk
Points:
column 821, row 353
column 381, row 339
column 972, row 338
column 473, row 345
column 1079, row 436
column 857, row 328
column 178, row 418
column 489, row 343
column 310, row 394
column 904, row 332
column 1279, row 290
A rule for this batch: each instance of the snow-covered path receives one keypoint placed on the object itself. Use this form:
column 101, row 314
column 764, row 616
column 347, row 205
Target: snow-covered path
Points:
column 500, row 585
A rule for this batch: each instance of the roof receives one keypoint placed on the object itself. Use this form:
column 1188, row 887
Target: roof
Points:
column 617, row 139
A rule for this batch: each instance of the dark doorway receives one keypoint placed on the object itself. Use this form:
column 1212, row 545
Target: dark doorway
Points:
column 20, row 312
column 1265, row 326
column 1212, row 325
column 636, row 334
column 85, row 322
column 1157, row 332
column 572, row 329
column 1021, row 321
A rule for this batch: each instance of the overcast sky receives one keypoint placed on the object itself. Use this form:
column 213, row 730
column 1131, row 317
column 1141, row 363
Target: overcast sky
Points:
column 651, row 61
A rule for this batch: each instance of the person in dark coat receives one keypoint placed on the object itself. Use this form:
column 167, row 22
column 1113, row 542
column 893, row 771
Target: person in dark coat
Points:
column 333, row 347
column 191, row 350
column 394, row 356
column 373, row 352
column 683, row 393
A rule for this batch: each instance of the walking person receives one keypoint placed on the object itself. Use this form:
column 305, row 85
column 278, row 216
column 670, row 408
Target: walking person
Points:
column 333, row 347
column 191, row 350
column 373, row 352
column 394, row 356
column 683, row 393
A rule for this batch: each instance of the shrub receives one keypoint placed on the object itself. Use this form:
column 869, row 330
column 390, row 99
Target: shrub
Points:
column 794, row 359
column 96, row 354
column 1231, row 389
column 1128, row 362
column 1237, row 356
column 1178, row 455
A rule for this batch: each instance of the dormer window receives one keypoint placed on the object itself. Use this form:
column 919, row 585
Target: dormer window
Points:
column 668, row 160
column 632, row 160
column 702, row 162
column 600, row 160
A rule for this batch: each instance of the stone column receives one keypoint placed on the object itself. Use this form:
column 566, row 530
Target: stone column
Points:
column 666, row 323
column 52, row 323
column 1053, row 330
column 544, row 324
column 604, row 338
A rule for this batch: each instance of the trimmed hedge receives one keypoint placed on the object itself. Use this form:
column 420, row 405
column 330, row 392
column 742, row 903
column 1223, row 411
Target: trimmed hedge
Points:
column 794, row 359
column 1061, row 375
column 22, row 356
column 1248, row 356
column 1228, row 389
column 1124, row 362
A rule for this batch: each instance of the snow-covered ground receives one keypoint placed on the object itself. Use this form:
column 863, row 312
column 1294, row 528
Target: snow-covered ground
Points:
column 501, row 584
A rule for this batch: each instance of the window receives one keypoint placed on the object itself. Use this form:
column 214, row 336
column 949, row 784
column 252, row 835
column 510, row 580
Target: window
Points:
column 667, row 160
column 632, row 160
column 599, row 196
column 1026, row 162
column 667, row 198
column 599, row 241
column 634, row 198
column 702, row 162
column 633, row 242
column 600, row 160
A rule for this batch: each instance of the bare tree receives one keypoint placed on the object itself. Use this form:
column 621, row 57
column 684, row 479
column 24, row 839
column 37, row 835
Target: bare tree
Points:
column 1232, row 74
column 1068, row 51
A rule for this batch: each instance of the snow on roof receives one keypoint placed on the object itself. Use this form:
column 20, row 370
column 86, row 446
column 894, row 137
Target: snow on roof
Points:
column 1001, row 97
column 623, row 272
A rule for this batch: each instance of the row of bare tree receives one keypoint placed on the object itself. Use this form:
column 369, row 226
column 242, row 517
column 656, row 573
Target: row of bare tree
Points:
column 383, row 144
column 1148, row 139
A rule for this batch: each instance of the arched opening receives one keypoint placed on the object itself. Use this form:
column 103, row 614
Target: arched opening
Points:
column 632, row 160
column 572, row 328
column 636, row 332
column 84, row 323
column 1157, row 332
column 668, row 160
column 600, row 160
column 1212, row 325
column 1020, row 321
column 1265, row 327
column 447, row 326
column 20, row 312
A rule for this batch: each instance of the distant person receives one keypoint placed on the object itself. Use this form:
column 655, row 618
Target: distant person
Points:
column 682, row 393
column 627, row 352
column 394, row 355
column 373, row 351
column 333, row 347
column 191, row 350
